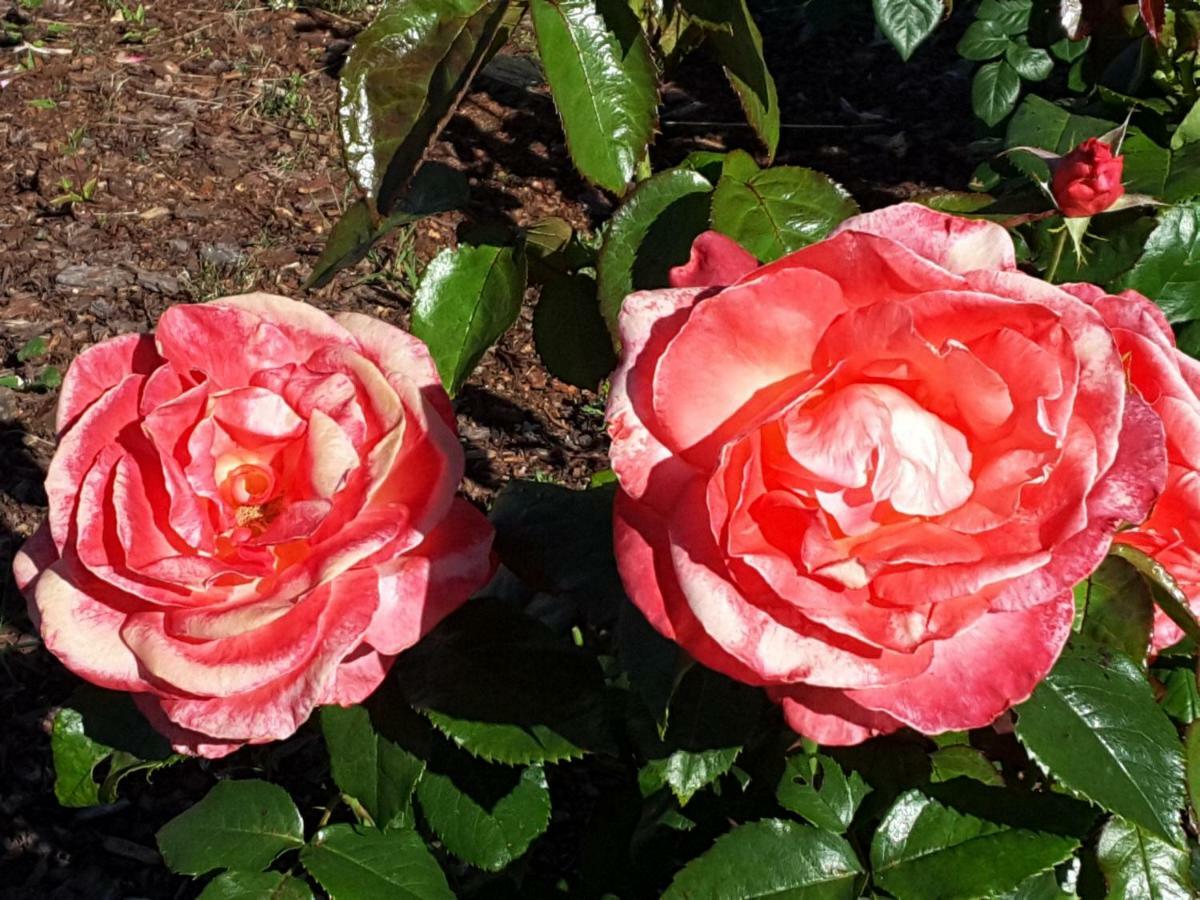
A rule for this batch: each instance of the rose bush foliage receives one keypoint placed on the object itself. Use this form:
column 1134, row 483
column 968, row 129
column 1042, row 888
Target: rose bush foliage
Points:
column 252, row 512
column 868, row 475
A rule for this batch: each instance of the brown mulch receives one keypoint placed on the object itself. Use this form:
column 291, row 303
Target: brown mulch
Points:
column 209, row 134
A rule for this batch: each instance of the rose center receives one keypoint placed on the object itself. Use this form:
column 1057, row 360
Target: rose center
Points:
column 250, row 485
column 870, row 444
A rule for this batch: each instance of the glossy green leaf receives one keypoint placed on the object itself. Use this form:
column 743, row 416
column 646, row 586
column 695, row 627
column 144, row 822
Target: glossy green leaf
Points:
column 604, row 84
column 256, row 886
column 467, row 299
column 961, row 761
column 1040, row 123
column 237, row 825
column 488, row 838
column 1068, row 50
column 435, row 188
column 819, row 790
column 1031, row 63
column 75, row 759
column 994, row 91
column 1139, row 866
column 771, row 858
column 1094, row 725
column 710, row 719
column 737, row 42
column 983, row 40
column 505, row 688
column 775, row 211
column 907, row 23
column 1117, row 608
column 921, row 843
column 1181, row 696
column 637, row 249
column 1010, row 16
column 1043, row 886
column 402, row 80
column 1168, row 271
column 569, row 332
column 378, row 774
column 355, row 863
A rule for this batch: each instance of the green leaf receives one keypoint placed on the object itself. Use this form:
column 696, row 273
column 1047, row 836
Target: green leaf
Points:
column 505, row 688
column 355, row 863
column 256, row 886
column 50, row 377
column 921, row 843
column 710, row 719
column 652, row 231
column 237, row 825
column 604, row 84
column 906, row 23
column 994, row 91
column 1168, row 595
column 1031, row 63
column 401, row 82
column 33, row 348
column 378, row 774
column 1094, row 725
column 775, row 211
column 962, row 761
column 1168, row 271
column 738, row 45
column 1010, row 16
column 1192, row 764
column 818, row 789
column 651, row 661
column 771, row 858
column 1118, row 610
column 570, row 334
column 1181, row 699
column 486, row 838
column 435, row 188
column 1068, row 50
column 983, row 40
column 1040, row 123
column 75, row 759
column 1139, row 866
column 467, row 299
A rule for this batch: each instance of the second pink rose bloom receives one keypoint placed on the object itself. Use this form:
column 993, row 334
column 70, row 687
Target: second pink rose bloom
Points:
column 867, row 476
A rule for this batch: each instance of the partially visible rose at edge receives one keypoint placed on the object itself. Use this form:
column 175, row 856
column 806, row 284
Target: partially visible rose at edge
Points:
column 1169, row 380
column 251, row 512
column 1087, row 180
column 868, row 475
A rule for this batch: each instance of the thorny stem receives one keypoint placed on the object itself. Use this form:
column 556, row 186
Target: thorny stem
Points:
column 1058, row 252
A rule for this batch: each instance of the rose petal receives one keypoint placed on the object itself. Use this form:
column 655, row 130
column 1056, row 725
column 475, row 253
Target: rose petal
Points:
column 715, row 261
column 956, row 244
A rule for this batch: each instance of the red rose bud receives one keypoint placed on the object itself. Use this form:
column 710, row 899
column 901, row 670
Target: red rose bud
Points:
column 1088, row 179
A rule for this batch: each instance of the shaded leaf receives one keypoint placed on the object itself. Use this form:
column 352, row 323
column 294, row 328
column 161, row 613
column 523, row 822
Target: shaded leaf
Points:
column 1139, row 866
column 771, row 858
column 1118, row 610
column 775, row 211
column 505, row 688
column 237, row 825
column 403, row 78
column 994, row 91
column 604, row 83
column 486, row 838
column 355, row 863
column 920, row 843
column 467, row 299
column 818, row 789
column 738, row 45
column 1094, row 725
column 677, row 196
column 964, row 762
column 1181, row 699
column 436, row 188
column 256, row 886
column 378, row 774
column 569, row 332
column 75, row 759
column 1168, row 271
